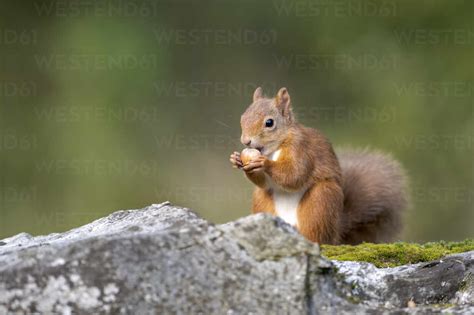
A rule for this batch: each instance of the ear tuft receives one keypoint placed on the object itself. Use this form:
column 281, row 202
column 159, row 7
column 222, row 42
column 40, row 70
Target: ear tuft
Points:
column 283, row 97
column 283, row 103
column 258, row 94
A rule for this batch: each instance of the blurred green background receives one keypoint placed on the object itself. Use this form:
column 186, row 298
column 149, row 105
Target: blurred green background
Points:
column 120, row 104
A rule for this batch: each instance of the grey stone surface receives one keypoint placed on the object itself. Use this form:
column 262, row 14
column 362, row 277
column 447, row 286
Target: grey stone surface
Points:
column 164, row 259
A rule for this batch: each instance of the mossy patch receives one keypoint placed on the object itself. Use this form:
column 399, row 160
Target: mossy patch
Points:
column 396, row 254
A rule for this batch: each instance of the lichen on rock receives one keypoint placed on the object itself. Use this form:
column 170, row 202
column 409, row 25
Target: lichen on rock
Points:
column 166, row 259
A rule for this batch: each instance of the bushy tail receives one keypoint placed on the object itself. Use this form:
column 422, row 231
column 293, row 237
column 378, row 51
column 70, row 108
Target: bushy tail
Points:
column 375, row 195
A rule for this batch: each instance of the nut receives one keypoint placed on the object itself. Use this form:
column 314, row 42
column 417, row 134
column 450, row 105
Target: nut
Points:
column 248, row 155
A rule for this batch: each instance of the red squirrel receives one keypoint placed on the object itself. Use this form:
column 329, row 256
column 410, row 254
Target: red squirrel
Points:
column 353, row 197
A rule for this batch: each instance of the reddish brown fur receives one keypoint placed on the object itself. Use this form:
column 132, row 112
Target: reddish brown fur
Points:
column 262, row 201
column 375, row 190
column 361, row 202
column 319, row 221
column 319, row 209
column 257, row 178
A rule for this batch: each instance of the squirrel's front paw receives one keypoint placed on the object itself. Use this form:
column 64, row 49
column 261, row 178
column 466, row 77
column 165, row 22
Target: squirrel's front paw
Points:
column 235, row 160
column 256, row 165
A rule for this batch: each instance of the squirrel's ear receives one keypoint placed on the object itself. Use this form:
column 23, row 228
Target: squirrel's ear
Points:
column 283, row 102
column 258, row 94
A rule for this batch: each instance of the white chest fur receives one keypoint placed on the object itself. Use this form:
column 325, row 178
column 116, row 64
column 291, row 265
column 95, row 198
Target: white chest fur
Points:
column 286, row 203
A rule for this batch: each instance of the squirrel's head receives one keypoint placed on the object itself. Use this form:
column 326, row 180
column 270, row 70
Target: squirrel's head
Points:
column 266, row 121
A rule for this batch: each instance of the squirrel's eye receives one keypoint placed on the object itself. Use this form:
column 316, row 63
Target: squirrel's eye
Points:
column 269, row 123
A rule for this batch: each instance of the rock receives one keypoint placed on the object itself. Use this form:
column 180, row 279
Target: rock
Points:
column 165, row 259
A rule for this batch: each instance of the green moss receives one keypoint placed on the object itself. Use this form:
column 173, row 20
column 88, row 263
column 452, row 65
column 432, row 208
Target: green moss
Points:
column 395, row 254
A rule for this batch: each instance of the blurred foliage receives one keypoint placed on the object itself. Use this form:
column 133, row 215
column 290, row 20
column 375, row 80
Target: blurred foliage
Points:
column 118, row 104
column 396, row 254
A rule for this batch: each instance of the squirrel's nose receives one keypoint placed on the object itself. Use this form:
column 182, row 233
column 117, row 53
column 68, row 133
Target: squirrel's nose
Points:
column 245, row 141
